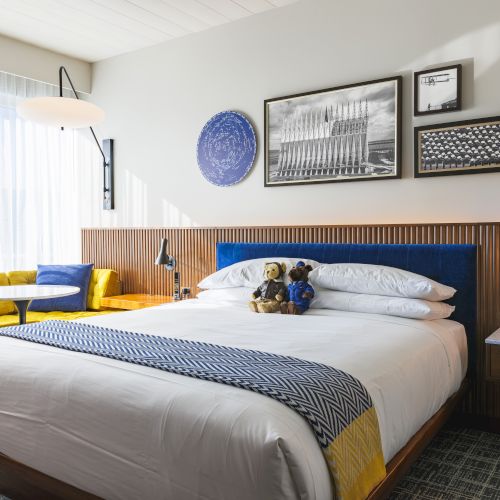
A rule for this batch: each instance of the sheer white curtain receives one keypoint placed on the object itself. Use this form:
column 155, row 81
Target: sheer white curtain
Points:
column 44, row 174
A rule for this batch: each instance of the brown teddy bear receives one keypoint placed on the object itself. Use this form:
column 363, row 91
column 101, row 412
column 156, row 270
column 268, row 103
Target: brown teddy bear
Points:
column 300, row 292
column 269, row 296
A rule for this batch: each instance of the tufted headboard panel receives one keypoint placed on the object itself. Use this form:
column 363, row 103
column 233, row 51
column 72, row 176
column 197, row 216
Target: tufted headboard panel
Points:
column 453, row 265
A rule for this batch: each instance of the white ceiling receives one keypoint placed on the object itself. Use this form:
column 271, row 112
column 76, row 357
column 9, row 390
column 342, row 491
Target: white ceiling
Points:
column 96, row 29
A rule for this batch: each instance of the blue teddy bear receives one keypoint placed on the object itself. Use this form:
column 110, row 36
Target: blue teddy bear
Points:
column 300, row 292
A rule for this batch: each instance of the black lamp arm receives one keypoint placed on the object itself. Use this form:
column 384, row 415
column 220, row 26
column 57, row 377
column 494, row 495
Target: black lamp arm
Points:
column 108, row 203
column 61, row 70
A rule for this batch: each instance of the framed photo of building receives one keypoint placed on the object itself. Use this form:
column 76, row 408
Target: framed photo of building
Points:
column 437, row 90
column 347, row 133
column 466, row 147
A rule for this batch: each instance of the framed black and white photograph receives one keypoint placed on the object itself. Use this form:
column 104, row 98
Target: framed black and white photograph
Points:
column 437, row 90
column 466, row 147
column 346, row 133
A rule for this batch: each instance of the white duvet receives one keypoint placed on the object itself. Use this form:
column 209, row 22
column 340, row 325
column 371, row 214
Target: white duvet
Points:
column 129, row 432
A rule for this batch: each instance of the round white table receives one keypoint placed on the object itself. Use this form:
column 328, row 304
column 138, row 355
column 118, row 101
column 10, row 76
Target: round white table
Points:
column 22, row 295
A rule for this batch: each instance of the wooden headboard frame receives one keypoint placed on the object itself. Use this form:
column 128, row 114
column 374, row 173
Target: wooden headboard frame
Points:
column 132, row 252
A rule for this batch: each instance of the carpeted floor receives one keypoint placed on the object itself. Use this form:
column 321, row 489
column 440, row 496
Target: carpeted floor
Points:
column 458, row 464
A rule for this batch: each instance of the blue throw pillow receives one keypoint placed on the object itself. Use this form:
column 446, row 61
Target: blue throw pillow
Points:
column 74, row 275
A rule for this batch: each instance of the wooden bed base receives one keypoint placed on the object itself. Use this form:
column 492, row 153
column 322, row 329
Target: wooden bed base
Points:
column 398, row 467
column 20, row 482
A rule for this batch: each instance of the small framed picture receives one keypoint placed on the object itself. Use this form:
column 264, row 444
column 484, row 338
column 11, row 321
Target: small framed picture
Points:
column 437, row 90
column 466, row 147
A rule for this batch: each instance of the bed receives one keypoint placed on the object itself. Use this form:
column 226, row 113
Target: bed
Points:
column 74, row 425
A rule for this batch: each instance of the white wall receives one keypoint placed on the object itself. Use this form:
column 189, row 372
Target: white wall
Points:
column 24, row 59
column 158, row 99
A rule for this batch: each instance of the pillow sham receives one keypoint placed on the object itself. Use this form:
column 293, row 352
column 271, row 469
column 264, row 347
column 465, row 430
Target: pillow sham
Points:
column 379, row 280
column 237, row 294
column 248, row 273
column 70, row 275
column 381, row 304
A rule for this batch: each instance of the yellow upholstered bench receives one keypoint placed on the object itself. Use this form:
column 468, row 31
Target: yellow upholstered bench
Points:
column 103, row 283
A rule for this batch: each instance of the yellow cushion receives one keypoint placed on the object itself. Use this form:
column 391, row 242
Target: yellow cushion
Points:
column 34, row 316
column 6, row 307
column 22, row 277
column 103, row 283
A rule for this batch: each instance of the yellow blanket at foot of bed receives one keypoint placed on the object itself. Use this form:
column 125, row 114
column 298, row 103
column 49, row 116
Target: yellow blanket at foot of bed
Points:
column 355, row 458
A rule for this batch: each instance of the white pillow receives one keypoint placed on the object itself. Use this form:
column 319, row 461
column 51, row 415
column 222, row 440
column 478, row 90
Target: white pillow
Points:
column 249, row 273
column 379, row 280
column 236, row 294
column 380, row 304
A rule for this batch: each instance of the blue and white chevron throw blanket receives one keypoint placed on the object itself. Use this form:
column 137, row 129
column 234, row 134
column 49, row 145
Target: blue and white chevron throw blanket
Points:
column 336, row 405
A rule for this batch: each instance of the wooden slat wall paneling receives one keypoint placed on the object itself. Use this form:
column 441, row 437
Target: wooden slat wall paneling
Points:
column 132, row 253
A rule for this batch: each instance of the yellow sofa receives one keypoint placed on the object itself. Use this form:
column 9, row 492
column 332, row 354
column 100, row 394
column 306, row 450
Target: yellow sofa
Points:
column 103, row 283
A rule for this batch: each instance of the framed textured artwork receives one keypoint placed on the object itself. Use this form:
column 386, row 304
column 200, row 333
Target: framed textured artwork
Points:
column 347, row 133
column 437, row 90
column 466, row 147
column 226, row 148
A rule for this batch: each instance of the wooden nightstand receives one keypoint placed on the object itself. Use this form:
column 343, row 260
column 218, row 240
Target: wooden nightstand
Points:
column 493, row 356
column 135, row 301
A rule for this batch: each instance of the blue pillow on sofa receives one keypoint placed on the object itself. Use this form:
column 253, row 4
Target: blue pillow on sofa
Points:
column 74, row 275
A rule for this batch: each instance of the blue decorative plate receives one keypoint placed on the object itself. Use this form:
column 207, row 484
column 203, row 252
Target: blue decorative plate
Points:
column 226, row 148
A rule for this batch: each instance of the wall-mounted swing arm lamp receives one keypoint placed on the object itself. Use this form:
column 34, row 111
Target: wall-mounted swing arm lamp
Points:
column 72, row 112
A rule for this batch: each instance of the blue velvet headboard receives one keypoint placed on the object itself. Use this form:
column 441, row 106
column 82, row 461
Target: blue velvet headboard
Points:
column 453, row 265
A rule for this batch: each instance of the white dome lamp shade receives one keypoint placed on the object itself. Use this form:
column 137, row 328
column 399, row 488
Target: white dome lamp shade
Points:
column 64, row 112
column 68, row 112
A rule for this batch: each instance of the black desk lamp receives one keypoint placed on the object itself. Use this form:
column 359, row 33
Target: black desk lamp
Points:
column 163, row 259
